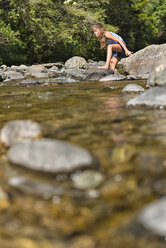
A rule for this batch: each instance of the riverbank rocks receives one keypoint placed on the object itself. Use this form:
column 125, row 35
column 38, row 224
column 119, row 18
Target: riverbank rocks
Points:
column 158, row 75
column 154, row 97
column 19, row 130
column 143, row 61
column 11, row 75
column 51, row 156
column 76, row 62
column 153, row 217
column 133, row 88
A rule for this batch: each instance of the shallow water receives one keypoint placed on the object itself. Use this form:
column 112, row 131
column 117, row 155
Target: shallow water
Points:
column 130, row 144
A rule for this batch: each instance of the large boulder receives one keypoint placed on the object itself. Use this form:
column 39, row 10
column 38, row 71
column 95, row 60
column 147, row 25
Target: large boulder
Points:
column 143, row 61
column 97, row 74
column 158, row 75
column 76, row 62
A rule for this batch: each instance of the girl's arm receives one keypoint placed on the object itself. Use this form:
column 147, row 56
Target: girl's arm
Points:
column 110, row 36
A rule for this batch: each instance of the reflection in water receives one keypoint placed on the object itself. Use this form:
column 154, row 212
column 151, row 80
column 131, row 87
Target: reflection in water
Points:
column 129, row 146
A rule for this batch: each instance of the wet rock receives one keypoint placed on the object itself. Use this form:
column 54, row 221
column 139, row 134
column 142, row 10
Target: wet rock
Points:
column 29, row 81
column 12, row 75
column 17, row 131
column 158, row 75
column 133, row 88
column 97, row 74
column 116, row 76
column 153, row 217
column 76, row 73
column 52, row 156
column 87, row 180
column 76, row 62
column 152, row 97
column 143, row 61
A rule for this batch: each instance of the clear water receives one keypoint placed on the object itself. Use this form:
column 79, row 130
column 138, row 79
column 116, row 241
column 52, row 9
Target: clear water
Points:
column 130, row 144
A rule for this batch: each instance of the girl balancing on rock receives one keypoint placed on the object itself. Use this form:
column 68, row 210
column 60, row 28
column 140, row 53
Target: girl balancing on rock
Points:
column 115, row 45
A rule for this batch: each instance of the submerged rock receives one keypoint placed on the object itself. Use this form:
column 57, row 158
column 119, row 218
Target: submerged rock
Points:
column 87, row 180
column 52, row 156
column 133, row 88
column 153, row 217
column 19, row 130
column 152, row 97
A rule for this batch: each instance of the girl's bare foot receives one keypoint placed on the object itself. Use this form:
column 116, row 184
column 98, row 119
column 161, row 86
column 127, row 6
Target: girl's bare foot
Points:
column 104, row 67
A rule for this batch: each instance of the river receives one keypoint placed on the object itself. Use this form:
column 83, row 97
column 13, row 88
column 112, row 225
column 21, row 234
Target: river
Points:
column 130, row 144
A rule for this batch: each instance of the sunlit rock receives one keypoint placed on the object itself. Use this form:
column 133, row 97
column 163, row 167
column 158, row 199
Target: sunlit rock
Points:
column 52, row 156
column 153, row 217
column 19, row 130
column 76, row 62
column 133, row 88
column 12, row 75
column 152, row 97
column 143, row 61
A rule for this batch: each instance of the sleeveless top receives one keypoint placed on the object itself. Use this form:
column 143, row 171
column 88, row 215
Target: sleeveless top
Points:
column 110, row 41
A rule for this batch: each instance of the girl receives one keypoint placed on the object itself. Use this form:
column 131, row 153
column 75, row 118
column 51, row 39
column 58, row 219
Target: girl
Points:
column 115, row 45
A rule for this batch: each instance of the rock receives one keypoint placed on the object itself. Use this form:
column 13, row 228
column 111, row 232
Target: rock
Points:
column 39, row 74
column 36, row 69
column 21, row 68
column 31, row 186
column 133, row 88
column 158, row 75
column 152, row 97
column 116, row 76
column 153, row 217
column 76, row 73
column 143, row 61
column 12, row 75
column 17, row 131
column 52, row 156
column 29, row 81
column 97, row 74
column 87, row 180
column 76, row 62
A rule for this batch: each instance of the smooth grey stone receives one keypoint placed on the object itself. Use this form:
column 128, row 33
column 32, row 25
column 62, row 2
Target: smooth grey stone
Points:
column 153, row 217
column 52, row 156
column 19, row 130
column 116, row 76
column 133, row 88
column 152, row 97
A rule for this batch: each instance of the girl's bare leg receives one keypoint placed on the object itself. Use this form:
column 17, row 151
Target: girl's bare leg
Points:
column 110, row 49
column 113, row 63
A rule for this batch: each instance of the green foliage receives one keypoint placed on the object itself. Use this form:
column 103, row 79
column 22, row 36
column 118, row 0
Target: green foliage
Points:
column 36, row 31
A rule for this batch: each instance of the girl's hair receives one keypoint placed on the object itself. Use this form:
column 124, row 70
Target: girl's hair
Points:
column 102, row 34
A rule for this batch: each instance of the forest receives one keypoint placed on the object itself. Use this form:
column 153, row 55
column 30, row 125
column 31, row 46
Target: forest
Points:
column 42, row 31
